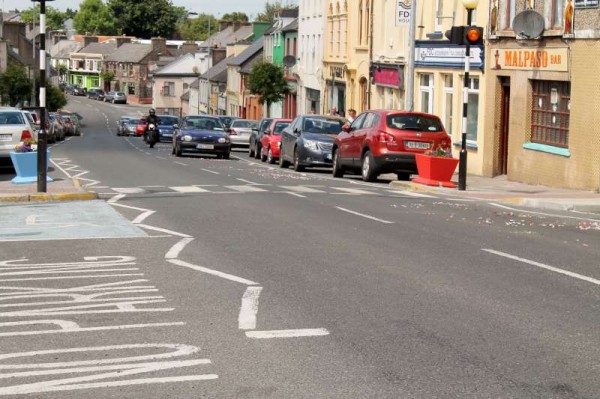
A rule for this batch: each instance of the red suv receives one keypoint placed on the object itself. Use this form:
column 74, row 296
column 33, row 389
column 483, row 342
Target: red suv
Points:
column 386, row 141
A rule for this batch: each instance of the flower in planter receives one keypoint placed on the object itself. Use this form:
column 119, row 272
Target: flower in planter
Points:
column 27, row 145
column 440, row 152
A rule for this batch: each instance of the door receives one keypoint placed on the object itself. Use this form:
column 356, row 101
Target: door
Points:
column 358, row 137
column 502, row 164
column 288, row 138
column 346, row 140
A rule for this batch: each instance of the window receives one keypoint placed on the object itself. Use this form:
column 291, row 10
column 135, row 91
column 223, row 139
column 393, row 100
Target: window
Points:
column 448, row 98
column 364, row 94
column 169, row 89
column 550, row 112
column 360, row 23
column 357, row 123
column 426, row 90
column 473, row 109
column 371, row 121
column 511, row 10
column 131, row 90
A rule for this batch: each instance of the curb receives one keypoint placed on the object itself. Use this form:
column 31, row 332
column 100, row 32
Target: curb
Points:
column 412, row 187
column 45, row 197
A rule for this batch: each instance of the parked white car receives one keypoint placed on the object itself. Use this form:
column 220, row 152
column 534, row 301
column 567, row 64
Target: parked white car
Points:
column 14, row 128
column 240, row 132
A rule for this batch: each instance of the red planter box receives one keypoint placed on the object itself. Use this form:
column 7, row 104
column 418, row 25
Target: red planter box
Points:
column 435, row 171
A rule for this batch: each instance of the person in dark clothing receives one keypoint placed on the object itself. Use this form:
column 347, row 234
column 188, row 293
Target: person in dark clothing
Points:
column 151, row 118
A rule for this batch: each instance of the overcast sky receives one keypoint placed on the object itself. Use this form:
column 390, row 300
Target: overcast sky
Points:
column 250, row 7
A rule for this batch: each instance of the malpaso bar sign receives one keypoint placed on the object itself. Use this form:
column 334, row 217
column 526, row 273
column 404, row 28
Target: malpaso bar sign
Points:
column 532, row 59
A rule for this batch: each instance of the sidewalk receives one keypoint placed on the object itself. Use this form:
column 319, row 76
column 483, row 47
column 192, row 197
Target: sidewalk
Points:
column 501, row 190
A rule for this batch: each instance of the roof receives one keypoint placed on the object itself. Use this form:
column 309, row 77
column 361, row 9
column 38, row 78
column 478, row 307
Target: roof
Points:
column 64, row 48
column 183, row 66
column 291, row 27
column 185, row 96
column 289, row 13
column 247, row 54
column 130, row 52
column 246, row 69
column 272, row 29
column 99, row 48
column 228, row 36
column 220, row 67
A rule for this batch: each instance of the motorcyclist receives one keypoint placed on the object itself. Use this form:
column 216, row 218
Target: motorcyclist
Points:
column 151, row 118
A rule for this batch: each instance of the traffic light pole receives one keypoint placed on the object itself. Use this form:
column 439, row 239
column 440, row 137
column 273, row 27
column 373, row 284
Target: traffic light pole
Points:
column 462, row 158
column 42, row 155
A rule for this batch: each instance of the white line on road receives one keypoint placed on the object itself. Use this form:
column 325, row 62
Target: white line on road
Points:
column 181, row 163
column 251, row 182
column 246, row 189
column 542, row 213
column 163, row 230
column 249, row 308
column 211, row 171
column 302, row 189
column 354, row 191
column 143, row 216
column 294, row 194
column 364, row 216
column 410, row 194
column 217, row 273
column 178, row 247
column 188, row 189
column 116, row 198
column 77, row 328
column 543, row 266
column 70, row 277
column 306, row 332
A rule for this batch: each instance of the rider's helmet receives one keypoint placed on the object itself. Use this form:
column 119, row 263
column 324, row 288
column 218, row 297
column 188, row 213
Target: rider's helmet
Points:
column 152, row 112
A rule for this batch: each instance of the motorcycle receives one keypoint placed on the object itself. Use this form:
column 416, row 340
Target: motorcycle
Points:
column 152, row 135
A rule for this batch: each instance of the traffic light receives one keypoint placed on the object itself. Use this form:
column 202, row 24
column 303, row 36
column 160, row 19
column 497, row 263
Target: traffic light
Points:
column 473, row 35
column 456, row 35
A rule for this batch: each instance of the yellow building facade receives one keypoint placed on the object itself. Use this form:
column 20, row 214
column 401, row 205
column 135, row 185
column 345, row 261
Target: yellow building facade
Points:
column 335, row 56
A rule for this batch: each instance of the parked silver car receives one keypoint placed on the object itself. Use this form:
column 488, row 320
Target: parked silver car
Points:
column 240, row 132
column 108, row 97
column 14, row 128
column 119, row 98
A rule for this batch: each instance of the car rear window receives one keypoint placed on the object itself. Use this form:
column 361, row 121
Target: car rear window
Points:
column 418, row 123
column 11, row 118
column 203, row 123
column 121, row 94
column 279, row 126
column 244, row 124
column 322, row 125
column 168, row 120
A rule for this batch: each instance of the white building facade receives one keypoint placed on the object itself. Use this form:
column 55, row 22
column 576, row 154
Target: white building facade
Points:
column 311, row 25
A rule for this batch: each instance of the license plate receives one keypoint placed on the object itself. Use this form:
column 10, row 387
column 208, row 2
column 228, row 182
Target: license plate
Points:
column 419, row 145
column 167, row 135
column 205, row 146
column 5, row 137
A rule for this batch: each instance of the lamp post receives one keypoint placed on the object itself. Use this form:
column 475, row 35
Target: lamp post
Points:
column 470, row 5
column 42, row 156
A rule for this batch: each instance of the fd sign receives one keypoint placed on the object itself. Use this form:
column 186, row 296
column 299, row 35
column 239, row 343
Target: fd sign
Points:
column 403, row 10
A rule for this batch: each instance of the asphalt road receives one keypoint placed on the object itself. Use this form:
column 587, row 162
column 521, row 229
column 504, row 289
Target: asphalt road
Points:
column 236, row 279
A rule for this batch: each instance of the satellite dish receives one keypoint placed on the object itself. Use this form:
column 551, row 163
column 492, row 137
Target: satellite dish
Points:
column 529, row 24
column 289, row 61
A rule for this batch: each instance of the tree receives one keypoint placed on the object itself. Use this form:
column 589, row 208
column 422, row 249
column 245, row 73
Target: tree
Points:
column 15, row 86
column 198, row 28
column 145, row 19
column 62, row 70
column 55, row 19
column 270, row 11
column 55, row 98
column 235, row 17
column 95, row 17
column 70, row 13
column 267, row 81
column 107, row 77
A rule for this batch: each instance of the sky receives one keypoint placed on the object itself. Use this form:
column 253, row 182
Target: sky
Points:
column 250, row 7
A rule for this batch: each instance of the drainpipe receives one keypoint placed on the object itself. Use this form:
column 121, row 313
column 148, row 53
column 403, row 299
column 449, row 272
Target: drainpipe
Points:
column 410, row 74
column 371, row 12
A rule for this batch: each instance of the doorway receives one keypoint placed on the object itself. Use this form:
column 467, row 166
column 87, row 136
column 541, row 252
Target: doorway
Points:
column 504, row 126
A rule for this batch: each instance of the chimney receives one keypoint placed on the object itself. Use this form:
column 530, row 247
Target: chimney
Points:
column 224, row 24
column 122, row 40
column 89, row 39
column 218, row 54
column 189, row 47
column 159, row 45
column 236, row 25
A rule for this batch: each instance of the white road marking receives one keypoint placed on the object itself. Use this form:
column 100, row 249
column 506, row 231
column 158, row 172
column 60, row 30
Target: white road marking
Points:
column 161, row 158
column 181, row 163
column 307, row 332
column 302, row 189
column 543, row 266
column 163, row 230
column 72, row 327
column 141, row 217
column 543, row 214
column 250, row 182
column 188, row 189
column 151, row 186
column 364, row 216
column 410, row 194
column 127, row 206
column 294, row 194
column 178, row 247
column 211, row 171
column 212, row 272
column 354, row 191
column 246, row 189
column 129, row 190
column 70, row 277
column 249, row 308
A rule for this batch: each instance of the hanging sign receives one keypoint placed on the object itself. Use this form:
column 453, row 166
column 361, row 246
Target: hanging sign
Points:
column 403, row 11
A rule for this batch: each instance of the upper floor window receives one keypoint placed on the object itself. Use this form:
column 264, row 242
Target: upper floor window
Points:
column 360, row 22
column 168, row 89
column 511, row 10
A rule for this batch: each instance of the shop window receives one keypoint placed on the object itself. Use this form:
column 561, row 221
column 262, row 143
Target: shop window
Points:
column 131, row 90
column 473, row 109
column 448, row 99
column 426, row 90
column 550, row 112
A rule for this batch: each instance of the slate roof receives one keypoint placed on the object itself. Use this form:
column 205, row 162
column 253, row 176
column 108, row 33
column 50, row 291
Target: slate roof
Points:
column 289, row 13
column 228, row 36
column 64, row 48
column 246, row 69
column 217, row 69
column 291, row 27
column 99, row 48
column 195, row 84
column 247, row 54
column 130, row 52
column 272, row 29
column 185, row 96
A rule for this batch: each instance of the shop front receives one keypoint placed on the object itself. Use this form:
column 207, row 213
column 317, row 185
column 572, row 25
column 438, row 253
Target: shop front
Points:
column 335, row 80
column 388, row 82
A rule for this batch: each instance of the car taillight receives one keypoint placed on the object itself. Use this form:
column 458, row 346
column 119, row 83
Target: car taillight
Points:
column 233, row 132
column 384, row 137
column 446, row 142
column 25, row 134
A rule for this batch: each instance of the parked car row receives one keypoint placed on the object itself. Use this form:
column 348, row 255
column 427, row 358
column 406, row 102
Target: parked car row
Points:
column 376, row 142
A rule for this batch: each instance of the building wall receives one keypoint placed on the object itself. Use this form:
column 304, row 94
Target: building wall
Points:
column 165, row 100
column 335, row 55
column 311, row 26
column 233, row 90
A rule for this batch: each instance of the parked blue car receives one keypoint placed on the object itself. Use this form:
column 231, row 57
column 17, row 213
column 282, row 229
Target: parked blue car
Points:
column 165, row 129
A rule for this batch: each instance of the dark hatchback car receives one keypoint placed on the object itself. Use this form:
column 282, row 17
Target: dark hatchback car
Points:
column 256, row 136
column 386, row 141
column 165, row 128
column 96, row 94
column 201, row 134
column 308, row 141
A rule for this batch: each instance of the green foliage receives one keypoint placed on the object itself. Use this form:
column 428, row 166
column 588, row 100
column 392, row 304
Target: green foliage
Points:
column 198, row 28
column 62, row 70
column 15, row 86
column 107, row 76
column 182, row 14
column 70, row 13
column 95, row 17
column 55, row 19
column 267, row 80
column 235, row 17
column 146, row 19
column 270, row 11
column 55, row 98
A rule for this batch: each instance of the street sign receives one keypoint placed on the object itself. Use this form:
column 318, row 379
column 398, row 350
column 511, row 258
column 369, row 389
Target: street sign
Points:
column 403, row 11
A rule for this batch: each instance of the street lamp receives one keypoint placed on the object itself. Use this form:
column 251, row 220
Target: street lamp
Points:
column 469, row 5
column 42, row 158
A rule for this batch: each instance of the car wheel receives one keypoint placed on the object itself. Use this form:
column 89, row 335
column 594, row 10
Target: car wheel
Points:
column 263, row 156
column 226, row 155
column 282, row 162
column 338, row 171
column 403, row 176
column 258, row 151
column 368, row 167
column 178, row 151
column 270, row 158
column 250, row 151
column 297, row 166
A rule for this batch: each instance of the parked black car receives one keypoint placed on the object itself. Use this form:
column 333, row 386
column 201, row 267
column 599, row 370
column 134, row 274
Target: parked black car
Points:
column 79, row 91
column 96, row 94
column 254, row 149
column 308, row 141
column 202, row 134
